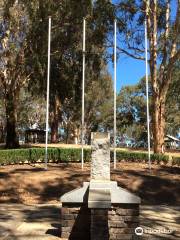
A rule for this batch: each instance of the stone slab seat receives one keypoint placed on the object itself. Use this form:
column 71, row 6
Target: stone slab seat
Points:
column 100, row 195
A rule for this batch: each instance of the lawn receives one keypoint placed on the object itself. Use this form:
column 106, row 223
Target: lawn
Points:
column 31, row 184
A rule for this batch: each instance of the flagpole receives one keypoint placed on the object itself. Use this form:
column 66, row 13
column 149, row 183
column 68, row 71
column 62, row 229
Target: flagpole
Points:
column 114, row 94
column 47, row 95
column 83, row 82
column 147, row 98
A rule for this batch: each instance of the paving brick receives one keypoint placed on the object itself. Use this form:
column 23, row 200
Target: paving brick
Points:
column 131, row 219
column 68, row 217
column 117, row 224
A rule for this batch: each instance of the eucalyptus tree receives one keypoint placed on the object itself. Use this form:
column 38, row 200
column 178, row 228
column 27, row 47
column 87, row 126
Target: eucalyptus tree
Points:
column 163, row 30
column 13, row 27
column 131, row 107
column 66, row 51
column 173, row 104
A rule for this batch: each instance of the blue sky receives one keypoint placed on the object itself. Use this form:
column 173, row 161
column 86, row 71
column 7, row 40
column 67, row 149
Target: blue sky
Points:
column 129, row 71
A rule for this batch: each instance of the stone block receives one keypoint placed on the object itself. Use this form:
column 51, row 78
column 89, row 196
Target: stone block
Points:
column 117, row 224
column 75, row 222
column 66, row 223
column 99, row 198
column 65, row 234
column 116, row 218
column 69, row 216
column 134, row 219
column 100, row 210
column 100, row 157
column 128, row 212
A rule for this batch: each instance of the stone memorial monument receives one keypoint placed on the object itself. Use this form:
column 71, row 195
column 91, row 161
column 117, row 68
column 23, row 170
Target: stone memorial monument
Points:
column 100, row 210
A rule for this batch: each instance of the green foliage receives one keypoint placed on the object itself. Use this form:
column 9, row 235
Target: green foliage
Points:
column 139, row 157
column 31, row 110
column 66, row 58
column 13, row 30
column 176, row 161
column 131, row 105
column 131, row 111
column 14, row 156
column 33, row 155
column 173, row 103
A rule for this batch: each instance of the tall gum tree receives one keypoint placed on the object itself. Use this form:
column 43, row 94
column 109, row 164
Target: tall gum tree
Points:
column 66, row 52
column 12, row 62
column 163, row 29
column 161, row 74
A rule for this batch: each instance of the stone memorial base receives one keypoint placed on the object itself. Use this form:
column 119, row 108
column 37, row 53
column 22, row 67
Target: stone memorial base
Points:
column 75, row 222
column 100, row 210
column 86, row 215
column 78, row 222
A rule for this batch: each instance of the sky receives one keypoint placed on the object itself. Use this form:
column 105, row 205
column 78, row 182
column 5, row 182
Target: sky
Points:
column 129, row 71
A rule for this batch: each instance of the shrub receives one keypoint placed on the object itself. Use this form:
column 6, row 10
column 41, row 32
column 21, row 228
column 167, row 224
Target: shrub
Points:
column 159, row 158
column 14, row 156
column 176, row 161
column 32, row 155
column 139, row 157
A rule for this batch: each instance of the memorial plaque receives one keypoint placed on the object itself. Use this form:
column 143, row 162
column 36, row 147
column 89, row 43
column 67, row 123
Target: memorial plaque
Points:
column 100, row 165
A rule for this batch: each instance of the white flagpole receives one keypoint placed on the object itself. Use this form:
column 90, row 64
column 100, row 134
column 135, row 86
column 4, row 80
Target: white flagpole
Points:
column 147, row 98
column 115, row 94
column 83, row 80
column 47, row 96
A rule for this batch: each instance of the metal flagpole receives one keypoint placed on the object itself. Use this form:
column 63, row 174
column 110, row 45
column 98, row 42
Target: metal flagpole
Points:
column 47, row 96
column 147, row 98
column 114, row 94
column 83, row 80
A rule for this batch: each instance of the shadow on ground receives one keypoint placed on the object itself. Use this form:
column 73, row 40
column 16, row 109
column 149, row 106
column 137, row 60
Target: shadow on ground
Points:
column 31, row 184
column 153, row 189
column 28, row 221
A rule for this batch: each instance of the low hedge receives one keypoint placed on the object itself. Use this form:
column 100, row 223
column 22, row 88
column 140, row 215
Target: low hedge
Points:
column 140, row 156
column 32, row 155
column 176, row 161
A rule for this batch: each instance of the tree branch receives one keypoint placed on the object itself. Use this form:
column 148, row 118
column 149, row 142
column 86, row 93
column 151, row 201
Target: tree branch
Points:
column 135, row 48
column 130, row 54
column 126, row 51
column 169, row 69
column 166, row 42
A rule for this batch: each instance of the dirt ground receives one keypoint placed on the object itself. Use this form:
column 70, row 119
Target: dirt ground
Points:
column 31, row 184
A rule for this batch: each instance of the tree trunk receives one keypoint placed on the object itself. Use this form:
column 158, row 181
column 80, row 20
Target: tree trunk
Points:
column 75, row 134
column 12, row 140
column 159, row 125
column 67, row 134
column 54, row 131
column 55, row 120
